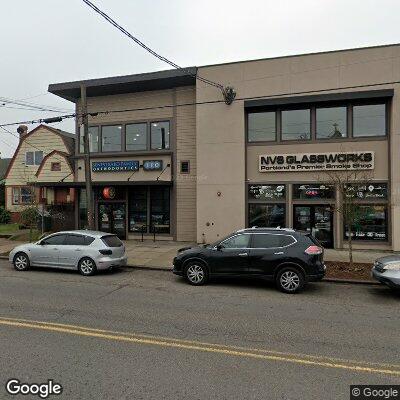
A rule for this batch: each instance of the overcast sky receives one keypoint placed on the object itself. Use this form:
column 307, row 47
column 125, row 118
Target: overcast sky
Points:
column 50, row 41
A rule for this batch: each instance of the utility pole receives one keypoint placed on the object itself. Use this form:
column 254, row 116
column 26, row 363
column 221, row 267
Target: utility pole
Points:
column 86, row 149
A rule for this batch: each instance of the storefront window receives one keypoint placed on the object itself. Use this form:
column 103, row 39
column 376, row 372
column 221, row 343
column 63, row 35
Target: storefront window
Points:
column 261, row 126
column 266, row 215
column 82, row 209
column 331, row 122
column 136, row 137
column 267, row 192
column 160, row 135
column 369, row 120
column 159, row 209
column 138, row 209
column 296, row 125
column 111, row 138
column 93, row 140
column 369, row 223
column 313, row 191
column 369, row 191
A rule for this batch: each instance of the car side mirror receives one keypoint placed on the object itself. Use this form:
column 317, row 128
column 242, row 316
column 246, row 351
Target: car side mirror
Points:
column 42, row 242
column 219, row 247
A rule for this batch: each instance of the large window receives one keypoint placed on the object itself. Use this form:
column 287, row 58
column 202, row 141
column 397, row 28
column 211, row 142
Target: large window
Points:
column 33, row 157
column 160, row 135
column 159, row 209
column 313, row 191
column 138, row 209
column 94, row 140
column 267, row 192
column 296, row 125
column 236, row 242
column 136, row 137
column 369, row 223
column 111, row 138
column 22, row 195
column 331, row 123
column 266, row 215
column 261, row 126
column 369, row 120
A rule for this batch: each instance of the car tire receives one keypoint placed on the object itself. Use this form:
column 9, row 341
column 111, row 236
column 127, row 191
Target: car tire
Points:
column 196, row 273
column 21, row 262
column 87, row 266
column 290, row 280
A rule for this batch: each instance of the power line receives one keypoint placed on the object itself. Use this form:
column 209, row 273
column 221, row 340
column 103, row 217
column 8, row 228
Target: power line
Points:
column 40, row 107
column 207, row 102
column 152, row 52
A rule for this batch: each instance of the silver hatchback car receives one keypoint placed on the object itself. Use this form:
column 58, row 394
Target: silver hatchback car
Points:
column 86, row 251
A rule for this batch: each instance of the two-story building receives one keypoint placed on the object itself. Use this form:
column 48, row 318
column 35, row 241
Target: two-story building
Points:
column 175, row 156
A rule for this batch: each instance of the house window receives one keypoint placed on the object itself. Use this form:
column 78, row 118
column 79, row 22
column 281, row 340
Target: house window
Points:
column 160, row 135
column 33, row 157
column 136, row 137
column 22, row 195
column 111, row 138
column 56, row 166
column 369, row 120
column 331, row 122
column 185, row 167
column 296, row 125
column 261, row 126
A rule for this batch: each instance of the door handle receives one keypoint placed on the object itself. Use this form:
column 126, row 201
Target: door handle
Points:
column 77, row 249
column 279, row 253
column 55, row 248
column 242, row 254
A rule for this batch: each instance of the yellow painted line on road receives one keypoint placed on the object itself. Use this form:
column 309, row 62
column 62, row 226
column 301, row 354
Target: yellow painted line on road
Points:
column 204, row 347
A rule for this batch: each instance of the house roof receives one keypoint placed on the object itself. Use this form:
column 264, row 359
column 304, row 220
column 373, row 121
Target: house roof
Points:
column 160, row 80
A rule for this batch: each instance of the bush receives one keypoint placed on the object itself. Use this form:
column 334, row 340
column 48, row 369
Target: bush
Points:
column 5, row 216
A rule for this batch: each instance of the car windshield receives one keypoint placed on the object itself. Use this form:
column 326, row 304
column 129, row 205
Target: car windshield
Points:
column 111, row 241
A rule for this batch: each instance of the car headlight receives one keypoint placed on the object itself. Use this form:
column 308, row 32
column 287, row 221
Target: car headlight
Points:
column 391, row 267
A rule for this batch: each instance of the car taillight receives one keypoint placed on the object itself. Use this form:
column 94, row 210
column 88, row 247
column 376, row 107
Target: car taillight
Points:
column 313, row 250
column 106, row 252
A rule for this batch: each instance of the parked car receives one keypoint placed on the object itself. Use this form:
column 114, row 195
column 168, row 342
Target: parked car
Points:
column 287, row 257
column 387, row 270
column 86, row 251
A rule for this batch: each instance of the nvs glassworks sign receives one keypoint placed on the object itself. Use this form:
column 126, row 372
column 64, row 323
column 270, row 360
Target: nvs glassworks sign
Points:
column 341, row 161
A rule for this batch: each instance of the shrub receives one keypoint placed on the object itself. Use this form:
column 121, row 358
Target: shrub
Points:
column 5, row 216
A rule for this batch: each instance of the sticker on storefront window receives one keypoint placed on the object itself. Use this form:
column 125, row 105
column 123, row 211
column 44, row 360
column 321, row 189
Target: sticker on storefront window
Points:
column 367, row 191
column 267, row 192
column 313, row 191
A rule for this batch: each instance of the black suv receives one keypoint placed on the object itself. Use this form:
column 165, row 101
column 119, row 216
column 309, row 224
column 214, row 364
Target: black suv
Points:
column 290, row 258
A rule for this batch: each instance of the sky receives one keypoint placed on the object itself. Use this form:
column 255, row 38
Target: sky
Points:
column 50, row 41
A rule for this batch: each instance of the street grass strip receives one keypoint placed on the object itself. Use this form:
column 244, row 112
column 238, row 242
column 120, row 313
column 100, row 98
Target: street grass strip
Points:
column 261, row 354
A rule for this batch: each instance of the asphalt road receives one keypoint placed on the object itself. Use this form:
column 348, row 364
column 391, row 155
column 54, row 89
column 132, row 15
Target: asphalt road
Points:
column 137, row 334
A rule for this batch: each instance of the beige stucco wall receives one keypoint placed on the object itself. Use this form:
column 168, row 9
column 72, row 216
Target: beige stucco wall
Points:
column 221, row 129
column 42, row 139
column 182, row 147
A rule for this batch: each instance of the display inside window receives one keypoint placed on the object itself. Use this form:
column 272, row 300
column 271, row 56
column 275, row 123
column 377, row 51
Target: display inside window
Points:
column 159, row 209
column 111, row 138
column 266, row 215
column 138, row 209
column 136, row 137
column 267, row 192
column 331, row 122
column 368, row 191
column 296, row 125
column 369, row 120
column 313, row 191
column 369, row 222
column 261, row 126
column 160, row 135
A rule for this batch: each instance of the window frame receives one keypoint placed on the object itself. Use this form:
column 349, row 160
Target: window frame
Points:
column 150, row 123
column 188, row 167
column 233, row 236
column 333, row 105
column 16, row 192
column 371, row 102
column 122, row 133
column 277, row 119
column 297, row 108
column 147, row 145
column 53, row 164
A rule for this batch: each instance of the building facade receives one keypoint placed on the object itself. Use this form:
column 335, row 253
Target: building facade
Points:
column 39, row 165
column 178, row 160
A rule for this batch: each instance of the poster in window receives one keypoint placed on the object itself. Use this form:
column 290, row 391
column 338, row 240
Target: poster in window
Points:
column 267, row 192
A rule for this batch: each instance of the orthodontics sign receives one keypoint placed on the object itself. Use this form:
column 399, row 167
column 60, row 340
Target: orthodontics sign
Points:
column 341, row 161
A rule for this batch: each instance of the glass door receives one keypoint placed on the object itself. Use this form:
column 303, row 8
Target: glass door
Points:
column 112, row 218
column 316, row 219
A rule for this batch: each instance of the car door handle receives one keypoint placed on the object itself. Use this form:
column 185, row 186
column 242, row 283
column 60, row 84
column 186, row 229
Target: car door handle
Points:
column 279, row 253
column 55, row 248
column 77, row 249
column 242, row 254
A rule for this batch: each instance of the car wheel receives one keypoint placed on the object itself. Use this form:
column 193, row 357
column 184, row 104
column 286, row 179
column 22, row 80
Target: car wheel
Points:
column 290, row 280
column 196, row 273
column 21, row 262
column 87, row 266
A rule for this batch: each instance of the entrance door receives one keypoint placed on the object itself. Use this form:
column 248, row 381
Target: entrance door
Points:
column 112, row 218
column 316, row 219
